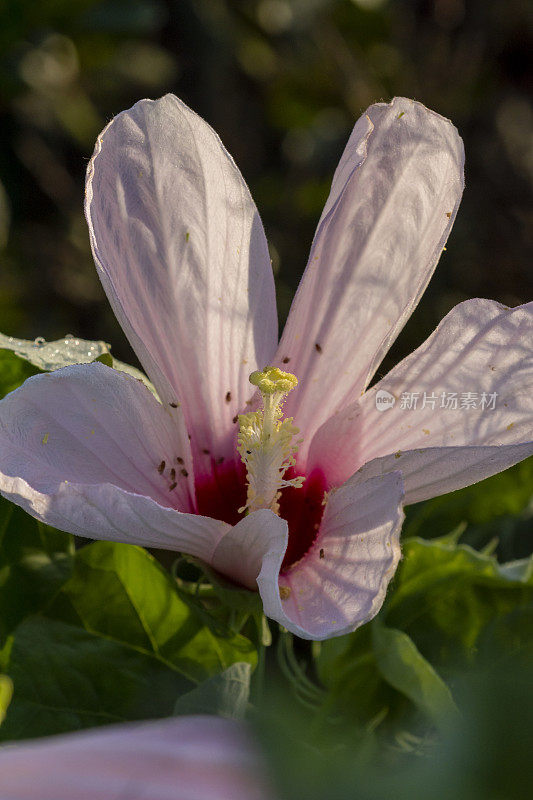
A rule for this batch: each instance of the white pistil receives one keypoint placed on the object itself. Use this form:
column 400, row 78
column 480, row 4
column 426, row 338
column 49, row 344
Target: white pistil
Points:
column 266, row 441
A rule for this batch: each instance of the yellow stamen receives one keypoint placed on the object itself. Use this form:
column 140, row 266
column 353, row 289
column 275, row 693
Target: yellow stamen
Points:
column 266, row 441
column 272, row 380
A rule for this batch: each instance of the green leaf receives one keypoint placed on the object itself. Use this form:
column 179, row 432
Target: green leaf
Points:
column 445, row 595
column 116, row 642
column 233, row 596
column 348, row 669
column 6, row 692
column 48, row 356
column 123, row 593
column 225, row 695
column 13, row 372
column 105, row 358
column 221, row 602
column 66, row 678
column 403, row 667
column 446, row 605
column 35, row 561
column 508, row 640
column 507, row 493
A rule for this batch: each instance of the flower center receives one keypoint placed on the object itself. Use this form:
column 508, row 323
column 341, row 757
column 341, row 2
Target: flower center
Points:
column 266, row 442
column 267, row 445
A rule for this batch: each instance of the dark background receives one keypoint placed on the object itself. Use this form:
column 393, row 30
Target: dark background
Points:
column 282, row 81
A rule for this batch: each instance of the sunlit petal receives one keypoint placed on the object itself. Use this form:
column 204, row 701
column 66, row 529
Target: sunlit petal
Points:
column 183, row 258
column 392, row 205
column 341, row 582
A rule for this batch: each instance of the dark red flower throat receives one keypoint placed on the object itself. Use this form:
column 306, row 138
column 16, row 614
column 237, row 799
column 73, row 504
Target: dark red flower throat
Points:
column 222, row 493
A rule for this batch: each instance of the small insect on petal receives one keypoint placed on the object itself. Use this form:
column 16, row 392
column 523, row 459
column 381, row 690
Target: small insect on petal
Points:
column 228, row 397
column 172, row 474
column 321, row 554
column 173, row 405
column 184, row 473
column 318, row 348
column 161, row 468
column 172, row 486
column 285, row 360
column 179, row 459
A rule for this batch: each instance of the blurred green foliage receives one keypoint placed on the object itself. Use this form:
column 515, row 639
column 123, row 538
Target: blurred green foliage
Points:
column 496, row 513
column 483, row 755
column 443, row 600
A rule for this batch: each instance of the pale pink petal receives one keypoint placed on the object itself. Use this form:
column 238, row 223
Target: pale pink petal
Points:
column 392, row 204
column 341, row 582
column 103, row 511
column 438, row 470
column 182, row 255
column 481, row 348
column 81, row 449
column 90, row 424
column 185, row 758
column 250, row 547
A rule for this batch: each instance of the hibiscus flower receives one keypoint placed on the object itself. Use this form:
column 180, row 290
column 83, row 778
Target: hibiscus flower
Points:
column 275, row 464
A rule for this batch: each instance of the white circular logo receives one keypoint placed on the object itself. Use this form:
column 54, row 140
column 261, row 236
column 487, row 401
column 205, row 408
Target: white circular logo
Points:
column 384, row 400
